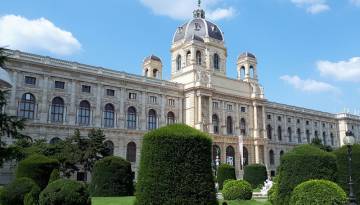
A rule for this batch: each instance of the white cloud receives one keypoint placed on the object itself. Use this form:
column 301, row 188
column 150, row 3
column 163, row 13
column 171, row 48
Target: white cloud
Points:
column 17, row 32
column 309, row 85
column 312, row 6
column 343, row 70
column 182, row 9
column 355, row 2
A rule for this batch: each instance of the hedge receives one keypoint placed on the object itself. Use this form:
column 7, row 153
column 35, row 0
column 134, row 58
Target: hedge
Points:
column 303, row 163
column 65, row 191
column 37, row 167
column 255, row 174
column 225, row 172
column 342, row 165
column 175, row 168
column 318, row 192
column 32, row 198
column 55, row 175
column 237, row 190
column 112, row 176
column 14, row 193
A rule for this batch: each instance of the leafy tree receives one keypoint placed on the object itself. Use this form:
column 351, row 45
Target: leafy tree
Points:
column 317, row 142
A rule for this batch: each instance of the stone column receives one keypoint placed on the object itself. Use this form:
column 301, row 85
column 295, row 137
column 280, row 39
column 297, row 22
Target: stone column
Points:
column 256, row 129
column 256, row 154
column 122, row 109
column 13, row 106
column 199, row 112
column 43, row 107
column 98, row 114
column 211, row 128
column 142, row 123
column 163, row 114
column 72, row 110
column 180, row 108
column 263, row 123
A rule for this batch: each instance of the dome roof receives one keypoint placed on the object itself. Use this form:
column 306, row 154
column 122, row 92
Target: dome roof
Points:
column 247, row 54
column 152, row 57
column 198, row 29
column 5, row 81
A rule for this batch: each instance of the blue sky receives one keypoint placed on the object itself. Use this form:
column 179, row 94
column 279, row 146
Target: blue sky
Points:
column 308, row 50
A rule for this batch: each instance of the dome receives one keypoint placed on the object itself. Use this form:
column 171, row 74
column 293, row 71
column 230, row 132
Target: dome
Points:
column 152, row 57
column 247, row 55
column 5, row 81
column 198, row 29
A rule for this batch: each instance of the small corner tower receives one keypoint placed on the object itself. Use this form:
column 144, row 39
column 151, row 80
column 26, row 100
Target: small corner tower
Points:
column 247, row 67
column 152, row 67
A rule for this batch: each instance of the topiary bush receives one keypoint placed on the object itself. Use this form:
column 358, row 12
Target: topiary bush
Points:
column 225, row 172
column 175, row 168
column 37, row 167
column 303, row 163
column 112, row 176
column 318, row 192
column 65, row 191
column 55, row 175
column 342, row 167
column 255, row 174
column 32, row 198
column 14, row 193
column 237, row 190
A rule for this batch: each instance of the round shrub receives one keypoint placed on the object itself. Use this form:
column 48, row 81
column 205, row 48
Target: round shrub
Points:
column 228, row 180
column 342, row 167
column 112, row 176
column 14, row 193
column 237, row 190
column 318, row 192
column 225, row 172
column 303, row 163
column 255, row 174
column 175, row 168
column 64, row 191
column 37, row 167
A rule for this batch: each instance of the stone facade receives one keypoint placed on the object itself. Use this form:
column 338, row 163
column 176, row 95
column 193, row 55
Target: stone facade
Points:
column 59, row 96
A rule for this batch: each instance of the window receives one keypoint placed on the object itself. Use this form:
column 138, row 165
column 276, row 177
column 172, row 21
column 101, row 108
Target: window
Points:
column 84, row 113
column 131, row 118
column 324, row 138
column 215, row 105
column 153, row 99
column 30, row 80
column 332, row 139
column 59, row 85
column 215, row 122
column 308, row 136
column 229, row 107
column 315, row 123
column 178, row 62
column 55, row 140
column 57, row 110
column 246, row 156
column 298, row 121
column 269, row 131
column 229, row 125
column 170, row 118
column 198, row 57
column 110, row 92
column 298, row 132
column 243, row 109
column 216, row 61
column 171, row 102
column 290, row 134
column 269, row 117
column 279, row 131
column 155, row 73
column 279, row 118
column 109, row 115
column 27, row 106
column 132, row 96
column 289, row 120
column 323, row 124
column 316, row 134
column 216, row 153
column 152, row 119
column 331, row 126
column 242, row 126
column 307, row 122
column 85, row 88
column 131, row 152
column 230, row 156
column 272, row 158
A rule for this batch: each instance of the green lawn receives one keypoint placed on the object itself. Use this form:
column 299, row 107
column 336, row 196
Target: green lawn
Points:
column 130, row 201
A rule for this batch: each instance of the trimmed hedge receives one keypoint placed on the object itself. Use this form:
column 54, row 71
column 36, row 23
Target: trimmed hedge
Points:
column 65, row 191
column 255, row 174
column 303, row 163
column 14, row 193
column 112, row 176
column 55, row 175
column 237, row 190
column 32, row 198
column 342, row 165
column 318, row 192
column 175, row 168
column 37, row 167
column 225, row 172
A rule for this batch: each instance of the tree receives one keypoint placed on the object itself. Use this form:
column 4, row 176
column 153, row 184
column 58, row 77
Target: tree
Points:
column 318, row 143
column 2, row 57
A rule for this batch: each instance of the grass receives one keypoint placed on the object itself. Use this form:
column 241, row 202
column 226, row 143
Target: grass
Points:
column 130, row 201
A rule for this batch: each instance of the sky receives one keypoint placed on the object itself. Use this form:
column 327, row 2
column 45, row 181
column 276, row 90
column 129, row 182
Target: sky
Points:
column 308, row 51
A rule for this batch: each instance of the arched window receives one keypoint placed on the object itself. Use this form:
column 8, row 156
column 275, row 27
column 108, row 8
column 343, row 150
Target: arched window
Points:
column 178, row 62
column 216, row 155
column 188, row 58
column 152, row 119
column 230, row 156
column 216, row 61
column 55, row 140
column 281, row 153
column 198, row 58
column 289, row 134
column 109, row 148
column 155, row 71
column 146, row 73
column 308, row 136
column 27, row 106
column 242, row 72
column 269, row 131
column 272, row 157
column 229, row 125
column 246, row 156
column 57, row 110
column 131, row 118
column 332, row 139
column 84, row 113
column 215, row 122
column 131, row 152
column 316, row 134
column 279, row 132
column 109, row 115
column 252, row 71
column 170, row 118
column 298, row 132
column 324, row 138
column 243, row 126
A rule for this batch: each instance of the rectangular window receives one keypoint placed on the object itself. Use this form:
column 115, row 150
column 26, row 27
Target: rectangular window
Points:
column 132, row 96
column 243, row 109
column 323, row 124
column 289, row 120
column 215, row 105
column 315, row 124
column 269, row 117
column 110, row 92
column 331, row 126
column 298, row 121
column 153, row 99
column 279, row 118
column 171, row 102
column 59, row 85
column 30, row 80
column 229, row 107
column 85, row 88
column 307, row 122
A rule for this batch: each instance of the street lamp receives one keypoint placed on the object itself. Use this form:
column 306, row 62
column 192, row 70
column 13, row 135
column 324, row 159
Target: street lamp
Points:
column 349, row 141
